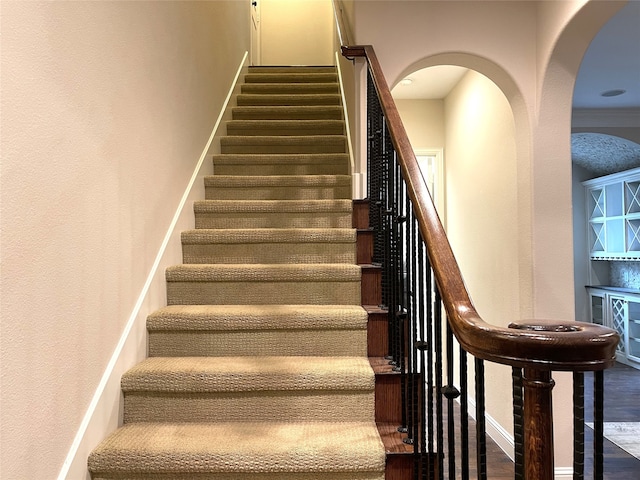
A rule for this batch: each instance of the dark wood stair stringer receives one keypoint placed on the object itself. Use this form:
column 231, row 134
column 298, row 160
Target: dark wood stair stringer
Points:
column 388, row 406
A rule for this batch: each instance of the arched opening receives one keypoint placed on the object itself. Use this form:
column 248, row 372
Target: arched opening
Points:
column 605, row 151
column 462, row 113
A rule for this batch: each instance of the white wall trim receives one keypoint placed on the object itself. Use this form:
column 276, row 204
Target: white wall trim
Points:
column 563, row 473
column 355, row 186
column 104, row 409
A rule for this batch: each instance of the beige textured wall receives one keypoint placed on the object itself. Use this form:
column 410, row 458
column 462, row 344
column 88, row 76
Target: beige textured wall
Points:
column 297, row 32
column 482, row 203
column 424, row 122
column 106, row 108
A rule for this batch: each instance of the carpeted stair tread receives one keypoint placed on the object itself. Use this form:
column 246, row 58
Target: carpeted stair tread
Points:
column 222, row 214
column 269, row 235
column 247, row 99
column 293, row 77
column 332, row 272
column 246, row 374
column 292, row 69
column 258, row 330
column 249, row 144
column 243, row 447
column 277, row 187
column 279, row 112
column 285, row 127
column 269, row 245
column 257, row 317
column 221, row 181
column 325, row 88
column 272, row 206
column 281, row 164
column 258, row 284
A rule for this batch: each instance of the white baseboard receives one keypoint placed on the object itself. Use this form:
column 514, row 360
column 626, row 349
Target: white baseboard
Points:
column 563, row 473
column 104, row 413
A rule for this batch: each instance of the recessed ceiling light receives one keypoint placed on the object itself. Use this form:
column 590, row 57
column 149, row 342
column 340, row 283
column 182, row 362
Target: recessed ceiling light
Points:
column 612, row 93
column 406, row 81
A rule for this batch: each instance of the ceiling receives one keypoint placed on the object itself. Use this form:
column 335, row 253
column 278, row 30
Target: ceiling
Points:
column 611, row 62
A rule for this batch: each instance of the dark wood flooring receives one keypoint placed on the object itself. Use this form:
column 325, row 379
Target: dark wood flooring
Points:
column 621, row 404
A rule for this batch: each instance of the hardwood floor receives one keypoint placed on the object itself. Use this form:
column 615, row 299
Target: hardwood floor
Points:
column 621, row 404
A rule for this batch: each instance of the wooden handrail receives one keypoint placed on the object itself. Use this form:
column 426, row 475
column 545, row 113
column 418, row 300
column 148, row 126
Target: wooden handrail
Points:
column 534, row 344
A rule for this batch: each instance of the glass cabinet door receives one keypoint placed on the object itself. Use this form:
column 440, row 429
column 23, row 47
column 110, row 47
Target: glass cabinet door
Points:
column 618, row 313
column 597, row 308
column 633, row 329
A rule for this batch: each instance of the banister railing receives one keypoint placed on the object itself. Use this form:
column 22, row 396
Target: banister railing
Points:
column 421, row 279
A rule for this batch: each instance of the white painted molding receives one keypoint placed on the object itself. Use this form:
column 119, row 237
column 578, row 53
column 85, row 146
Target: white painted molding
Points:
column 563, row 473
column 103, row 414
column 359, row 185
column 605, row 117
column 346, row 114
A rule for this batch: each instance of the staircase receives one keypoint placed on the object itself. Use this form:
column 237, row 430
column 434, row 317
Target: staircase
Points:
column 258, row 366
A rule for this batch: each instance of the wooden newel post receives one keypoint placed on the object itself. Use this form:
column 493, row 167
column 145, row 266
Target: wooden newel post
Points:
column 538, row 425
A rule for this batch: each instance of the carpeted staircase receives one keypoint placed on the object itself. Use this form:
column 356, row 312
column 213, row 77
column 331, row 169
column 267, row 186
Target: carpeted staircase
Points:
column 258, row 366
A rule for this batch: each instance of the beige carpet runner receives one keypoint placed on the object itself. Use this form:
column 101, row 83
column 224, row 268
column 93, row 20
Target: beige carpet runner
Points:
column 258, row 366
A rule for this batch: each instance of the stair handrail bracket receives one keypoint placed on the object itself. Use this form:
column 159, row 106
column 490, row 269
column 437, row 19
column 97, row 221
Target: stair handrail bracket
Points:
column 540, row 344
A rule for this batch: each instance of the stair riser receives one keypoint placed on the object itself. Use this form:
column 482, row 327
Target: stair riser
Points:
column 291, row 78
column 244, row 407
column 255, row 169
column 284, row 148
column 273, row 220
column 287, row 113
column 324, row 127
column 252, row 475
column 264, row 343
column 263, row 293
column 279, row 253
column 249, row 99
column 291, row 69
column 290, row 89
column 278, row 193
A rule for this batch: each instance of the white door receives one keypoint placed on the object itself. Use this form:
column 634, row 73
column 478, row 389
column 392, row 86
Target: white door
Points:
column 255, row 32
column 432, row 169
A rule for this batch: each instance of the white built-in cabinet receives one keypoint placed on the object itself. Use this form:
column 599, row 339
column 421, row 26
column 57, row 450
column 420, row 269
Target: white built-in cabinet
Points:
column 613, row 211
column 620, row 311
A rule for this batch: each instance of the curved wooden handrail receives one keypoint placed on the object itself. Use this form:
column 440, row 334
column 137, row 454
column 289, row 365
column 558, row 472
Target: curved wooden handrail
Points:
column 536, row 344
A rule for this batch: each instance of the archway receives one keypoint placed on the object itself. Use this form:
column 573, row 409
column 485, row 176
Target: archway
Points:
column 473, row 122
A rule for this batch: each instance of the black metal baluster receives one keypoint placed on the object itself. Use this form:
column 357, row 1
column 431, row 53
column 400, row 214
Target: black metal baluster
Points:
column 451, row 393
column 481, row 430
column 518, row 423
column 421, row 452
column 464, row 416
column 410, row 292
column 598, row 425
column 429, row 390
column 437, row 333
column 374, row 168
column 578, row 425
